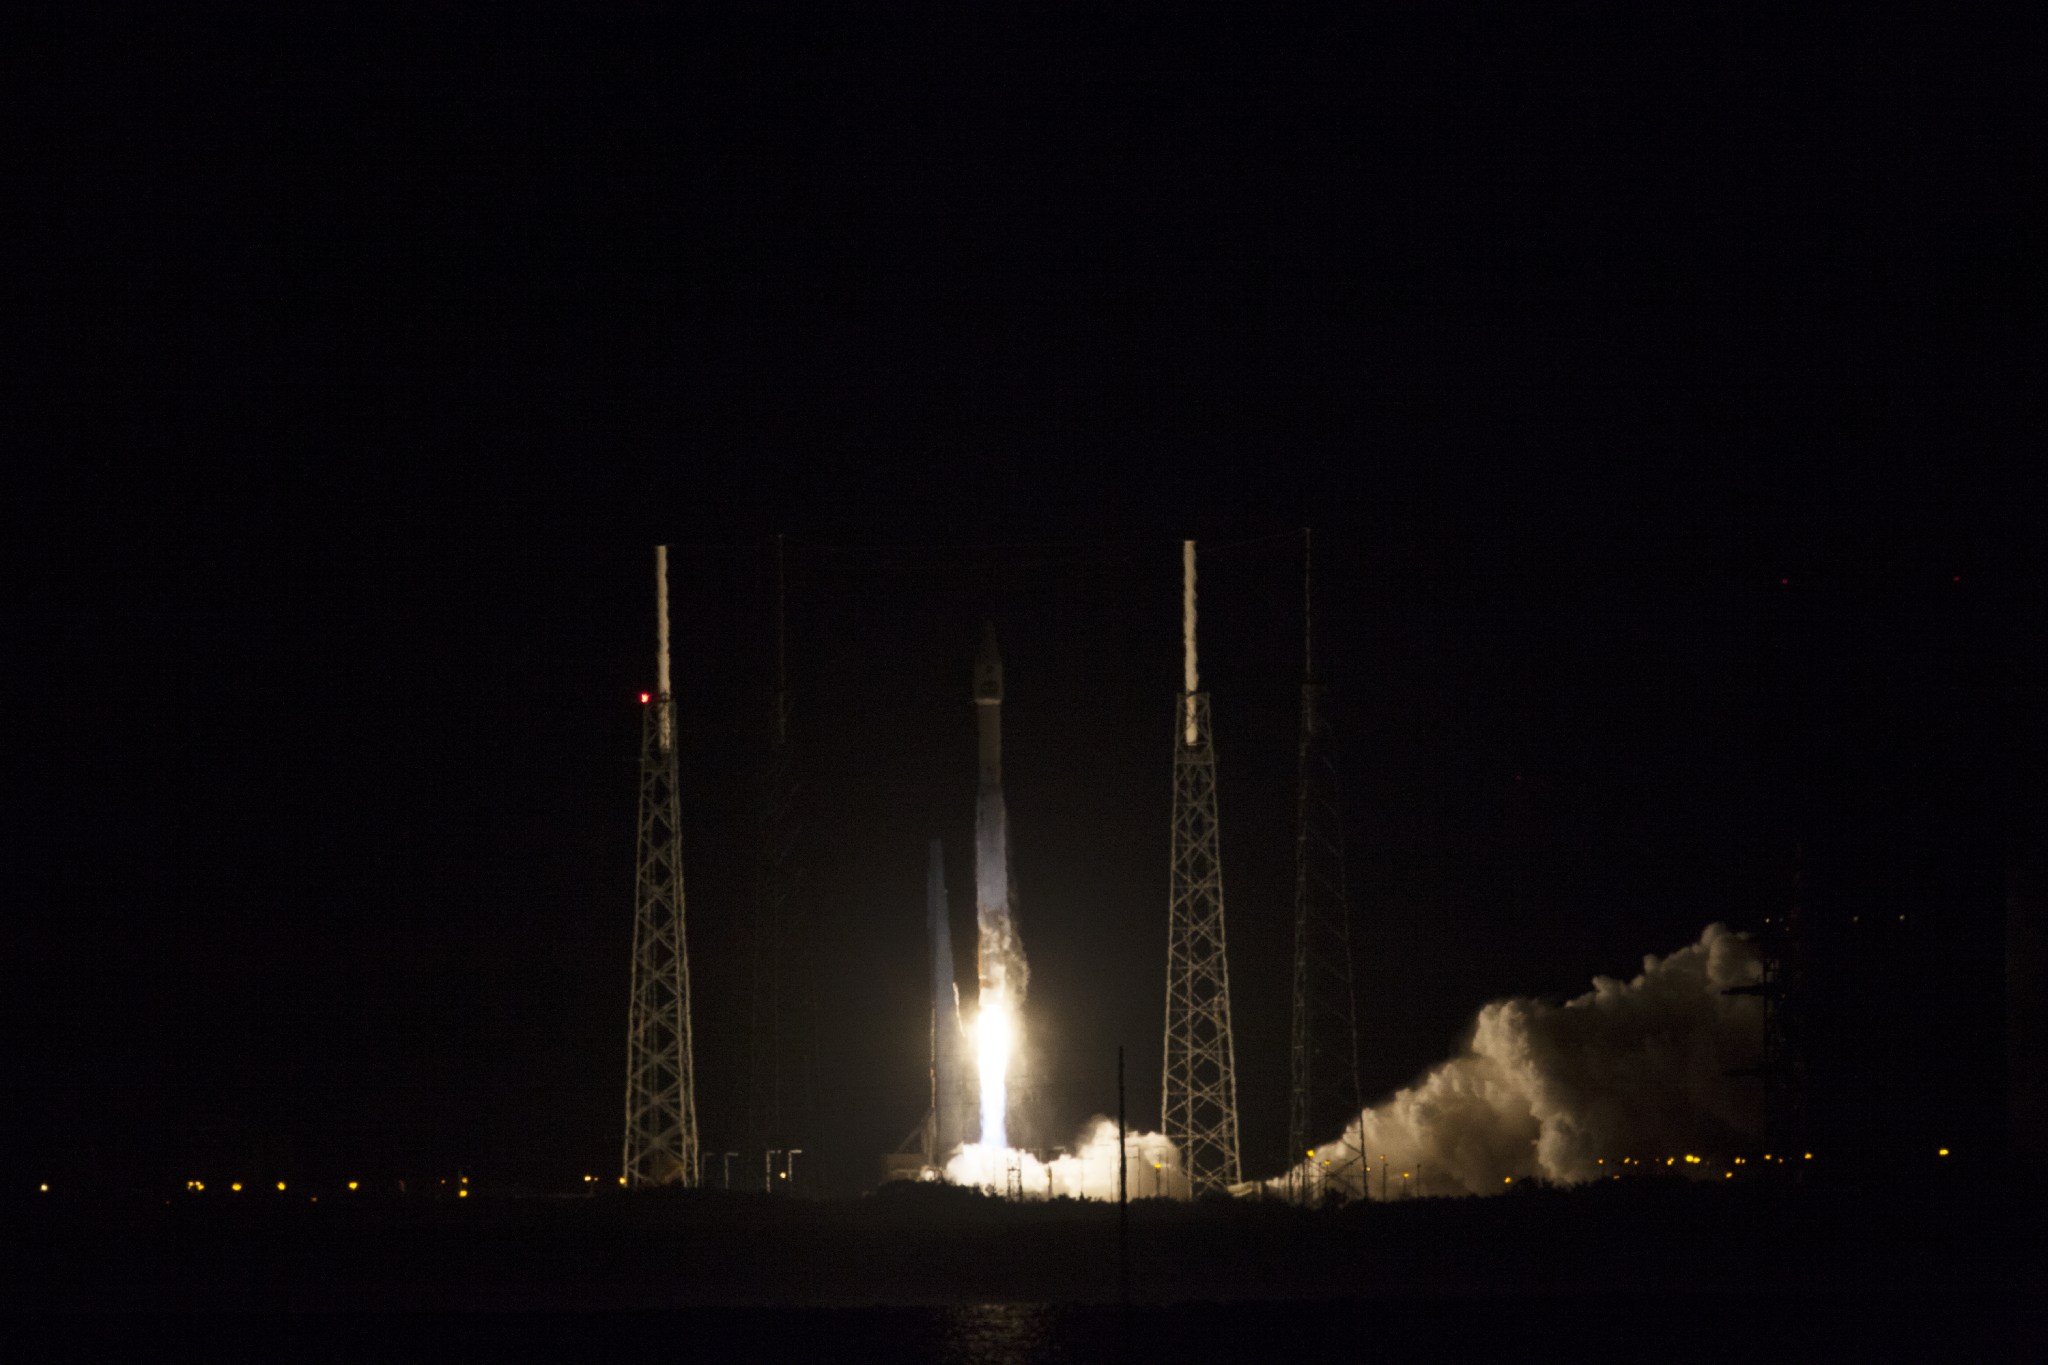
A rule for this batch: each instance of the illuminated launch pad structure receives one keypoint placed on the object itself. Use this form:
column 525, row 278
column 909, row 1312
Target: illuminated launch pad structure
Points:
column 661, row 1088
column 1198, row 1100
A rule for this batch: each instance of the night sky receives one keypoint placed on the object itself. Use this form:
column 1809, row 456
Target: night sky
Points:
column 1664, row 421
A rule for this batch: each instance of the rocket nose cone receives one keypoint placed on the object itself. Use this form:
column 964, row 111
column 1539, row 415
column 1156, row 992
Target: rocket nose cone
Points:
column 988, row 667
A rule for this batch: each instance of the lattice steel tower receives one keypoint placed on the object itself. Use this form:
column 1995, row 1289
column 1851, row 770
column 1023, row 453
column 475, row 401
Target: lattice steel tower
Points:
column 1198, row 1100
column 1785, row 1069
column 1324, row 1097
column 661, row 1089
column 780, row 1032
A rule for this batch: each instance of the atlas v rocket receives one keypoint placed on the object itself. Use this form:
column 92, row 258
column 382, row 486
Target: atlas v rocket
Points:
column 999, row 953
column 953, row 1085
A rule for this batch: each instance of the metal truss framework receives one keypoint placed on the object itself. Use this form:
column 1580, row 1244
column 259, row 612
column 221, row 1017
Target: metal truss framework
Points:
column 778, row 1091
column 661, row 1092
column 1324, row 1098
column 1785, row 1068
column 779, row 1035
column 1198, row 1102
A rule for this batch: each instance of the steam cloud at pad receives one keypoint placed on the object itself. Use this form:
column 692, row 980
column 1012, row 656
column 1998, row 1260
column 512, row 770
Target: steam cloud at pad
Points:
column 1638, row 1068
column 1089, row 1171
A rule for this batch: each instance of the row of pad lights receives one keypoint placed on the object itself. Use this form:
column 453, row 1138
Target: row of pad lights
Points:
column 199, row 1186
column 235, row 1187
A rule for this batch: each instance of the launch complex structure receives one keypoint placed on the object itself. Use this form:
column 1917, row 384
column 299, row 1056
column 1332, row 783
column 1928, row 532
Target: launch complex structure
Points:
column 1198, row 1091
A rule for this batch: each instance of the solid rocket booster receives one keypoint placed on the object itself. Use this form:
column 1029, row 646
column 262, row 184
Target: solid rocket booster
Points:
column 950, row 1101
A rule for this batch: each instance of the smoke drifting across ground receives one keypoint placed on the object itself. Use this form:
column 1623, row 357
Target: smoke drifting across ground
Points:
column 1637, row 1068
column 1088, row 1172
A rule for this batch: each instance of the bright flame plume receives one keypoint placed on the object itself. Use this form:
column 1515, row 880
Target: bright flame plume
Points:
column 995, row 1036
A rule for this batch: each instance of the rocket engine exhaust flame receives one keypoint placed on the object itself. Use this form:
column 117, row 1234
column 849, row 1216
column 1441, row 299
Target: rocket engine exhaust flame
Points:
column 994, row 1033
column 1631, row 1068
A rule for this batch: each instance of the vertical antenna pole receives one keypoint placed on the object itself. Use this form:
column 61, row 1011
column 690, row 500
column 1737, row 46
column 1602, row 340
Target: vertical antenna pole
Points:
column 661, row 674
column 1308, row 606
column 781, row 654
column 1190, row 677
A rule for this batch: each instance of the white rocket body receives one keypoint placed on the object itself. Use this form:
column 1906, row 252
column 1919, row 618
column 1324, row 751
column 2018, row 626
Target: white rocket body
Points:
column 999, row 955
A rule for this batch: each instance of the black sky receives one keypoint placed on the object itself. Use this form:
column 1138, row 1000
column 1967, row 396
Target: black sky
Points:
column 361, row 372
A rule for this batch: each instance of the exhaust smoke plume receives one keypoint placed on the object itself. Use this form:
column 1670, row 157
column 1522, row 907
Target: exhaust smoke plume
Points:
column 1637, row 1068
column 1088, row 1172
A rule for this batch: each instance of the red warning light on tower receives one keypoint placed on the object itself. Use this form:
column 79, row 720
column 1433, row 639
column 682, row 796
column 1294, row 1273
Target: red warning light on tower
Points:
column 646, row 697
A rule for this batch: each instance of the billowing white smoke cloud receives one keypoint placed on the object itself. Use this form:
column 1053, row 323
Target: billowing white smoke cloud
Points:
column 1630, row 1069
column 1089, row 1172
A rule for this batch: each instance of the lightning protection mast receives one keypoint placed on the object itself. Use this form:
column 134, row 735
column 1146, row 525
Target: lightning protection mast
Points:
column 780, row 1035
column 661, row 1091
column 1198, row 1100
column 1324, row 1097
